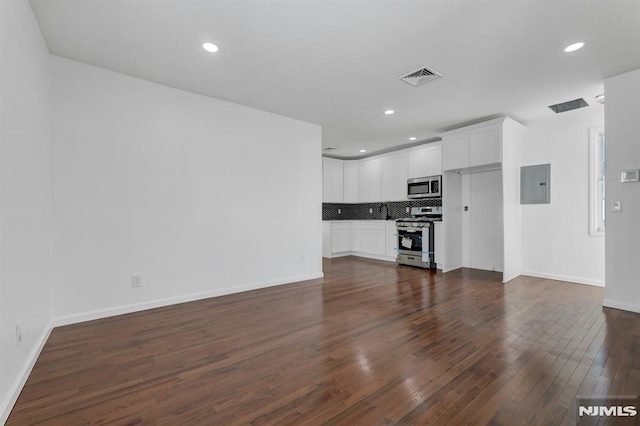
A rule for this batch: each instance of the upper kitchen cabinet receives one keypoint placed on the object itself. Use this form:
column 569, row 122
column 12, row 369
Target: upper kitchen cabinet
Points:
column 332, row 181
column 394, row 177
column 475, row 146
column 350, row 181
column 425, row 161
column 369, row 180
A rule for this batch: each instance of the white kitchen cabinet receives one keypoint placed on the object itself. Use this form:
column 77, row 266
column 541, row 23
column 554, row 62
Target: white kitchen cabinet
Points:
column 433, row 160
column 484, row 146
column 363, row 182
column 369, row 180
column 350, row 181
column 332, row 181
column 478, row 145
column 417, row 163
column 374, row 238
column 392, row 239
column 364, row 238
column 400, row 173
column 425, row 161
column 387, row 189
column 339, row 237
column 394, row 177
column 355, row 236
column 455, row 151
column 439, row 243
column 375, row 179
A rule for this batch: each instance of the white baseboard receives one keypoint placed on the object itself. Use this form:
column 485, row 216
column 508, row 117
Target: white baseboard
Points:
column 577, row 280
column 16, row 388
column 608, row 303
column 127, row 309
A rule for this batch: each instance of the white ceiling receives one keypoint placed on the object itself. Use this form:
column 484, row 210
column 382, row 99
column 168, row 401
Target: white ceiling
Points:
column 336, row 63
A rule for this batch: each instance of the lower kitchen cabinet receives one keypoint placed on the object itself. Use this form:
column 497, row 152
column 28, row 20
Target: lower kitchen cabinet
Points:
column 373, row 238
column 392, row 238
column 438, row 237
column 366, row 238
column 356, row 236
column 339, row 237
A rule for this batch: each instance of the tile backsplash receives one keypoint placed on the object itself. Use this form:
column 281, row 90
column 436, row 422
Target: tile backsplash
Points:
column 360, row 211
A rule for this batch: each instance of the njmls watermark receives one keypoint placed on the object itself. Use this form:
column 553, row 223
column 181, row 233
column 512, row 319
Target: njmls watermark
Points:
column 608, row 410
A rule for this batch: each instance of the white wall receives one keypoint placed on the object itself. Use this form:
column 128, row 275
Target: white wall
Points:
column 622, row 128
column 199, row 196
column 25, row 196
column 555, row 237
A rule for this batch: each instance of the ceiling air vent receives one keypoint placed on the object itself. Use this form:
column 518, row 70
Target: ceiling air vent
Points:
column 568, row 106
column 420, row 76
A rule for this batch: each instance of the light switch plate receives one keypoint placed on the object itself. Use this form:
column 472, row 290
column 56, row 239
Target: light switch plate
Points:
column 617, row 206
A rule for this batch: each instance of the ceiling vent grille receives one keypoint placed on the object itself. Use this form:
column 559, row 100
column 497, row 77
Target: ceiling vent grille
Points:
column 420, row 76
column 568, row 106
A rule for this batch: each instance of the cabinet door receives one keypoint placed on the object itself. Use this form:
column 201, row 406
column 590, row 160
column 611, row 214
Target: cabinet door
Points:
column 455, row 151
column 434, row 160
column 379, row 242
column 350, row 182
column 374, row 239
column 387, row 193
column 400, row 173
column 335, row 241
column 439, row 244
column 355, row 236
column 375, row 180
column 326, row 180
column 484, row 146
column 363, row 182
column 339, row 237
column 417, row 162
column 343, row 239
column 392, row 240
column 337, row 182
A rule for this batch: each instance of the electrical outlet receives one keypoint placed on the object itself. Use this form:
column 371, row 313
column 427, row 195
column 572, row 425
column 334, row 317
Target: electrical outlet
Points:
column 18, row 333
column 370, row 210
column 136, row 281
column 339, row 211
column 408, row 209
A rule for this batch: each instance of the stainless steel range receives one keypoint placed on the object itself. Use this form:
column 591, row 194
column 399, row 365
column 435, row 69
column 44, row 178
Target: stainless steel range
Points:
column 416, row 237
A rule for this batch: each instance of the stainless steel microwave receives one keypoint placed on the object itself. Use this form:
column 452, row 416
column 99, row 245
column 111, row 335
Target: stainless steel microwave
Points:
column 425, row 187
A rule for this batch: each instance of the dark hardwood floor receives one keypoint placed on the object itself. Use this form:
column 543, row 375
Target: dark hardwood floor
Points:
column 371, row 343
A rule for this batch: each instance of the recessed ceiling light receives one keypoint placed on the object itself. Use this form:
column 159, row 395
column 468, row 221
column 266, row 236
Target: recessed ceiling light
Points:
column 210, row 47
column 363, row 150
column 412, row 138
column 575, row 46
column 389, row 112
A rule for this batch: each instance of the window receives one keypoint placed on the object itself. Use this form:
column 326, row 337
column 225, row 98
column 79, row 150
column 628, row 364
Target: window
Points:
column 597, row 205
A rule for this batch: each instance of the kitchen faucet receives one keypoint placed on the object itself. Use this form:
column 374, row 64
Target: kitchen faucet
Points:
column 386, row 216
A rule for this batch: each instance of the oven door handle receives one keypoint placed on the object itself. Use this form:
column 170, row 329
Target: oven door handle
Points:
column 412, row 230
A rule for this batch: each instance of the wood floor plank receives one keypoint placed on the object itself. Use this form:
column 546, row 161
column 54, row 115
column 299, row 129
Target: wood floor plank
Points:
column 370, row 343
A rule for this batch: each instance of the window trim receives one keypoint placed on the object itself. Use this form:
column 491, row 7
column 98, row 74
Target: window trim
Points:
column 595, row 135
